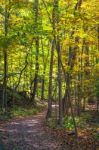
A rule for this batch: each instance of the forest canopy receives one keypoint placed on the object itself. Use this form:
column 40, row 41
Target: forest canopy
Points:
column 49, row 60
column 49, row 50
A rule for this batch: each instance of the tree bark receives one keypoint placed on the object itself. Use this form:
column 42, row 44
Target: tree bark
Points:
column 5, row 61
column 36, row 4
column 49, row 111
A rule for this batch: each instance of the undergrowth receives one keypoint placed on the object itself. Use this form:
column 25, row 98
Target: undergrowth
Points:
column 18, row 111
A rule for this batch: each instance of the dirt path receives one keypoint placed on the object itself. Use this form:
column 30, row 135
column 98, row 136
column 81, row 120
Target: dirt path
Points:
column 28, row 134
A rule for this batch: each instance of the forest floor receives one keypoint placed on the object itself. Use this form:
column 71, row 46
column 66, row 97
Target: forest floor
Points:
column 28, row 133
column 32, row 133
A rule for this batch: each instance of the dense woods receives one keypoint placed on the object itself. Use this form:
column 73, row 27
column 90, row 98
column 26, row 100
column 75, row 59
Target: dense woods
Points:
column 49, row 52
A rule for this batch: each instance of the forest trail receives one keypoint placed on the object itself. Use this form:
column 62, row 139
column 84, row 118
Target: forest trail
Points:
column 28, row 134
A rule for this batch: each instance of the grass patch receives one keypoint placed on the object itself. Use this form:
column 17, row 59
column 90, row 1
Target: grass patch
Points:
column 52, row 122
column 96, row 136
column 68, row 122
column 18, row 112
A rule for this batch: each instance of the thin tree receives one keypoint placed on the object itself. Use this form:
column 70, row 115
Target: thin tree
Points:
column 5, row 58
column 36, row 9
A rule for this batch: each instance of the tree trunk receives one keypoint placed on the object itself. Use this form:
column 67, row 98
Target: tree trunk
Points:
column 43, row 85
column 49, row 112
column 36, row 3
column 5, row 61
column 58, row 48
column 60, row 83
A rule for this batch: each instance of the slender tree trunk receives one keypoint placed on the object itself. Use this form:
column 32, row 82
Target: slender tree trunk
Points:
column 36, row 73
column 58, row 48
column 45, row 60
column 5, row 61
column 43, row 84
column 49, row 112
column 97, row 61
column 36, row 4
column 60, row 84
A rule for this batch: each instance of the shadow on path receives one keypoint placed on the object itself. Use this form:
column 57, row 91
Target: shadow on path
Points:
column 28, row 134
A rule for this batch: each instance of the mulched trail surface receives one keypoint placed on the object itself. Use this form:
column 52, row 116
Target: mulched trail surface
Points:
column 28, row 134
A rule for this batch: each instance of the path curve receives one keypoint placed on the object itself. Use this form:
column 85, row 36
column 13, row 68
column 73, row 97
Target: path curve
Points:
column 28, row 134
